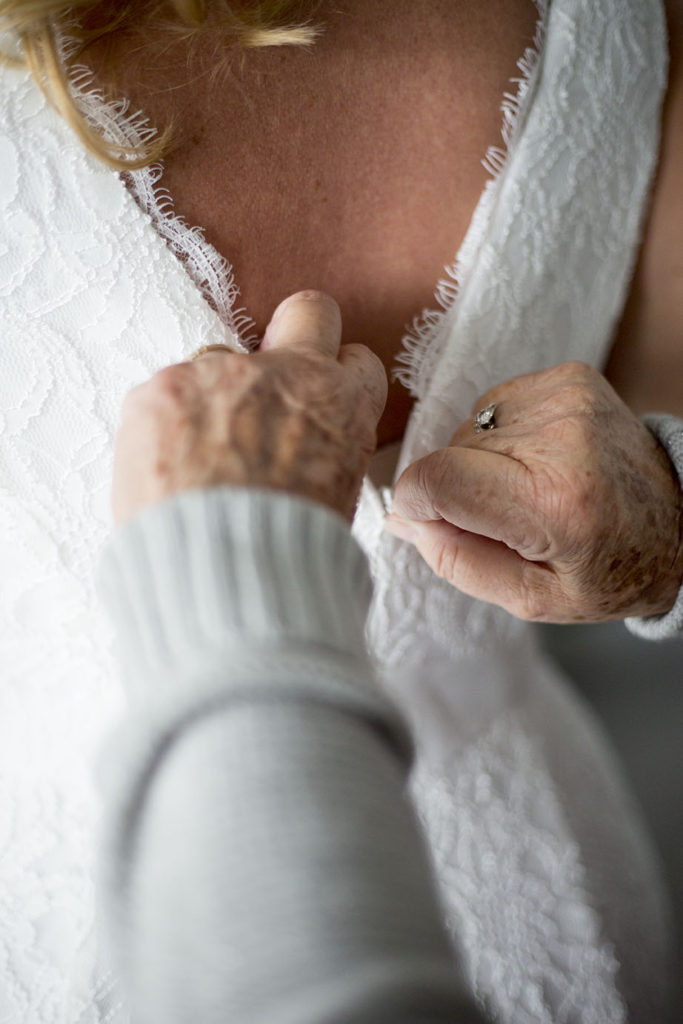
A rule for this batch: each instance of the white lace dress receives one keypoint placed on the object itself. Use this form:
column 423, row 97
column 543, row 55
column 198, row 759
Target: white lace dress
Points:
column 549, row 884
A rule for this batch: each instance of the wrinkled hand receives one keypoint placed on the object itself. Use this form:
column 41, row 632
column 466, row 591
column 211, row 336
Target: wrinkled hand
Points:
column 299, row 415
column 568, row 511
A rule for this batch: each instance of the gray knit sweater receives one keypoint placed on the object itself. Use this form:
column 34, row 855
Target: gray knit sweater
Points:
column 259, row 860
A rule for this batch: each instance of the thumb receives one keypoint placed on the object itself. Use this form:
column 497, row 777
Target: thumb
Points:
column 480, row 491
column 427, row 487
column 305, row 320
column 485, row 569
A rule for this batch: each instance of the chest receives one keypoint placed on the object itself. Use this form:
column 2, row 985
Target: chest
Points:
column 353, row 168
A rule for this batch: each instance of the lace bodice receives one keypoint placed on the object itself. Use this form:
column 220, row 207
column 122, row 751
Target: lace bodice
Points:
column 547, row 879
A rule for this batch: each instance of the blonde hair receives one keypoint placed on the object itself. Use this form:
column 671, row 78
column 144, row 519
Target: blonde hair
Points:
column 38, row 24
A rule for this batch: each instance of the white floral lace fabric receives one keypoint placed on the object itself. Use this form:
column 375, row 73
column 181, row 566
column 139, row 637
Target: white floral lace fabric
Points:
column 549, row 885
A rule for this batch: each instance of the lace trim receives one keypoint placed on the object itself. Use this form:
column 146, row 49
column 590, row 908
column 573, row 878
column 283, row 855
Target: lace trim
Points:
column 213, row 274
column 424, row 340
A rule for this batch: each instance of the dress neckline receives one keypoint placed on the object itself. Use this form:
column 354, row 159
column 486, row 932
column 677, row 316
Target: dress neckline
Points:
column 212, row 273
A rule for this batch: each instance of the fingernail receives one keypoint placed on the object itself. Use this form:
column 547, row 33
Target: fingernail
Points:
column 306, row 294
column 279, row 310
column 404, row 529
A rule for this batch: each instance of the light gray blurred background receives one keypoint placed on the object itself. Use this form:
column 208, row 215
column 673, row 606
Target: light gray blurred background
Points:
column 636, row 688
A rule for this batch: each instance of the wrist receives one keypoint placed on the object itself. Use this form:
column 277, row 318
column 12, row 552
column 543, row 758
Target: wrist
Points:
column 660, row 597
column 666, row 621
column 677, row 564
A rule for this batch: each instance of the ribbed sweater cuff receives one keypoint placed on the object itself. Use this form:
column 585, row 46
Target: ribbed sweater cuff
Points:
column 669, row 432
column 207, row 572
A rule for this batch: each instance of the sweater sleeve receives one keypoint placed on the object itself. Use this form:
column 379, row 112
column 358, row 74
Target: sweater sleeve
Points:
column 669, row 432
column 259, row 860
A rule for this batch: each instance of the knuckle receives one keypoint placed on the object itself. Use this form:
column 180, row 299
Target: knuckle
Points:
column 173, row 382
column 375, row 390
column 574, row 372
column 443, row 560
column 530, row 605
column 413, row 489
column 428, row 477
column 375, row 364
column 135, row 395
column 582, row 393
column 311, row 371
column 367, row 361
column 581, row 371
column 574, row 389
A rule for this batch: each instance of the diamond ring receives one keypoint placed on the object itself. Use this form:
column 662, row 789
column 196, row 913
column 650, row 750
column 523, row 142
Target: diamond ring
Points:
column 485, row 418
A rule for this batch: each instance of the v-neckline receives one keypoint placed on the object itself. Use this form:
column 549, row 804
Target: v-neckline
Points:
column 212, row 273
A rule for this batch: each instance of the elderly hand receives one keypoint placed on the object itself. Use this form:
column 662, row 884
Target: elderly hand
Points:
column 568, row 511
column 300, row 415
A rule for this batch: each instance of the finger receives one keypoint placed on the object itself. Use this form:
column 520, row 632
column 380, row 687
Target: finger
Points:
column 509, row 398
column 477, row 490
column 368, row 372
column 537, row 396
column 487, row 570
column 466, row 433
column 516, row 388
column 307, row 320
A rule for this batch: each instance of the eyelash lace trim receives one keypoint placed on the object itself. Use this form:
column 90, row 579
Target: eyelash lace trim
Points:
column 210, row 271
column 423, row 341
column 213, row 274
